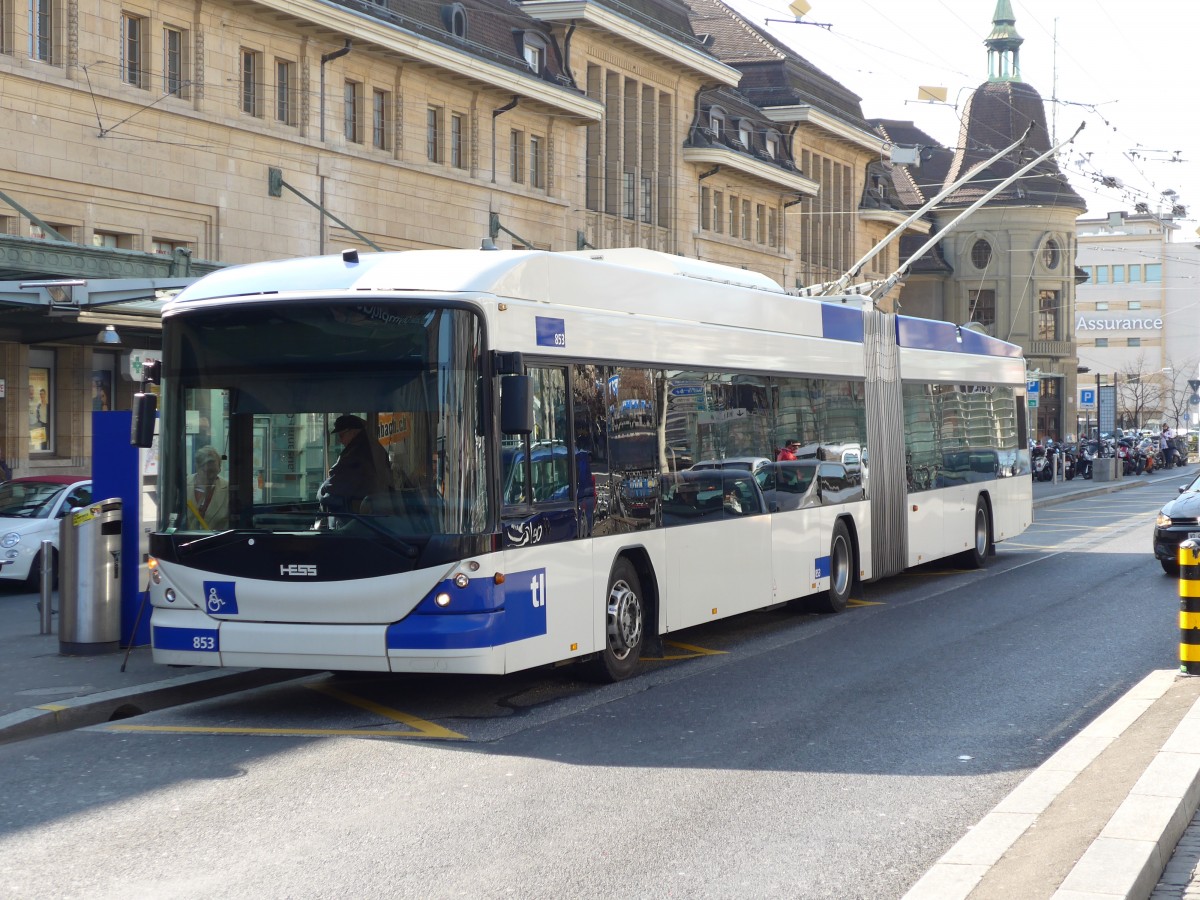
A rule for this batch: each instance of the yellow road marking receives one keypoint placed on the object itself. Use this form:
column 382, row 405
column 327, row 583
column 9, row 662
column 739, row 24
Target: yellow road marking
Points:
column 302, row 732
column 52, row 707
column 866, row 603
column 424, row 727
column 694, row 652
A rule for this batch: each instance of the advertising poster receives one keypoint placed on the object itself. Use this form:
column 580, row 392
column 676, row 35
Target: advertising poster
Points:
column 39, row 410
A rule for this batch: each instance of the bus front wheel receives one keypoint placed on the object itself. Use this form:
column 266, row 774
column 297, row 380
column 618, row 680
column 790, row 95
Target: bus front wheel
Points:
column 625, row 625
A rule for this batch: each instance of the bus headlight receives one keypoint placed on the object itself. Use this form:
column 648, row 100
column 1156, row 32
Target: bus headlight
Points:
column 461, row 580
column 10, row 540
column 442, row 599
column 169, row 595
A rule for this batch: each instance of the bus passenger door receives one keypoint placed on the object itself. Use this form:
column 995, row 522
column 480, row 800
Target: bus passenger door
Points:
column 548, row 563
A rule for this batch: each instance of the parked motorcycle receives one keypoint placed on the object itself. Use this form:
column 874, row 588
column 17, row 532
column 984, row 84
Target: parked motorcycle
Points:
column 1038, row 463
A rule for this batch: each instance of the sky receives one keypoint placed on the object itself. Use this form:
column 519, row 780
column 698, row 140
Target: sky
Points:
column 1127, row 71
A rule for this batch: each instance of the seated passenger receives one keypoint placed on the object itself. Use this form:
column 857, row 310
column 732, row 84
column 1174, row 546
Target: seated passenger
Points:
column 207, row 493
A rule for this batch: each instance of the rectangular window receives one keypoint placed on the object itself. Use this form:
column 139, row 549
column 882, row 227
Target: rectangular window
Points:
column 982, row 307
column 647, row 200
column 174, row 60
column 41, row 401
column 1101, row 274
column 112, row 240
column 1118, row 274
column 352, row 112
column 251, row 80
column 458, row 157
column 537, row 163
column 735, row 206
column 1135, row 304
column 718, row 212
column 760, row 223
column 1102, row 342
column 772, row 229
column 516, row 156
column 1135, row 272
column 1087, row 273
column 285, row 105
column 628, row 195
column 164, row 247
column 1133, row 342
column 41, row 30
column 705, row 209
column 1102, row 306
column 1047, row 321
column 745, row 220
column 381, row 102
column 132, row 47
column 433, row 134
column 1154, row 272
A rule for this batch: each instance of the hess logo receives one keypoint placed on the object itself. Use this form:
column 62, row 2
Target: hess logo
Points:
column 294, row 569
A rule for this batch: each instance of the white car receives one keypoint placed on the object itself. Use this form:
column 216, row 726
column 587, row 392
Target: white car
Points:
column 30, row 510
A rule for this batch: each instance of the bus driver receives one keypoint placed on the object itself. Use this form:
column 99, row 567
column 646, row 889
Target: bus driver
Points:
column 361, row 470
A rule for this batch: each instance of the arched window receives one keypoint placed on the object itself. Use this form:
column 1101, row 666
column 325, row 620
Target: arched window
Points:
column 454, row 18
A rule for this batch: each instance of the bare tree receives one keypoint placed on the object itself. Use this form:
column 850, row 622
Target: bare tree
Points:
column 1139, row 394
column 1177, row 402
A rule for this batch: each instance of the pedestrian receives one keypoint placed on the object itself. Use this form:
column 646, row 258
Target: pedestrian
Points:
column 787, row 453
column 1167, row 445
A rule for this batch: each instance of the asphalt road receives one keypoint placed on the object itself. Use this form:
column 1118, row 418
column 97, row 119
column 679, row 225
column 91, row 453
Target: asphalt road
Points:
column 779, row 756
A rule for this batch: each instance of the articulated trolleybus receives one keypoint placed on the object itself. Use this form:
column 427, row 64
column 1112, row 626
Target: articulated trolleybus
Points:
column 586, row 451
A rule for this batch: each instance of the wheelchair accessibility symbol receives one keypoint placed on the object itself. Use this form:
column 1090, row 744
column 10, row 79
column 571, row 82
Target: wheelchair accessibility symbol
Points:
column 220, row 597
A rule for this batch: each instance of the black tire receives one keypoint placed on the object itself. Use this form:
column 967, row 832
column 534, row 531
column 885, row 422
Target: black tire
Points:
column 33, row 581
column 981, row 542
column 625, row 626
column 842, row 572
column 1170, row 567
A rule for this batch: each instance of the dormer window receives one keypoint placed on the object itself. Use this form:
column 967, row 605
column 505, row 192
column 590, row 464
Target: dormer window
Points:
column 454, row 18
column 716, row 121
column 744, row 133
column 772, row 144
column 534, row 50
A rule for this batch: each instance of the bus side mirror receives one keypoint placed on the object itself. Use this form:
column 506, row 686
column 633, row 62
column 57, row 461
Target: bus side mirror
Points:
column 516, row 404
column 145, row 408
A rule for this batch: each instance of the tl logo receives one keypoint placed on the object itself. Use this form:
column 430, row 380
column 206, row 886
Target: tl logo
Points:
column 537, row 588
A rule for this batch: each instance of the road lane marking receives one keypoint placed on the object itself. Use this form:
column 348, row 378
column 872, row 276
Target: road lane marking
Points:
column 866, row 603
column 285, row 732
column 693, row 652
column 423, row 727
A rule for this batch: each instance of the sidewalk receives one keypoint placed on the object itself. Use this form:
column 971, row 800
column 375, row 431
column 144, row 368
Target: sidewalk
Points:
column 42, row 692
column 1100, row 819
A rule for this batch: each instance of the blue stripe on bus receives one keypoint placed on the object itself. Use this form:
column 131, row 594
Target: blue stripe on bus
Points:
column 926, row 334
column 841, row 323
column 200, row 640
column 483, row 614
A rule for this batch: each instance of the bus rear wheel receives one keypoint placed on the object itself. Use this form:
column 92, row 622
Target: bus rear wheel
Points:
column 981, row 539
column 625, row 626
column 841, row 571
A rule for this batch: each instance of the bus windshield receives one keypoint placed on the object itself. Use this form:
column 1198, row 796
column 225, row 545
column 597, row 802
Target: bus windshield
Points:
column 323, row 416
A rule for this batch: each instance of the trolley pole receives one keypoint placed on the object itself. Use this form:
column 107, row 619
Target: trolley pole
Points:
column 1189, row 608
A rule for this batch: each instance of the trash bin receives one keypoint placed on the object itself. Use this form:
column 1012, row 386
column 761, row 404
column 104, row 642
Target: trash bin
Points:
column 89, row 579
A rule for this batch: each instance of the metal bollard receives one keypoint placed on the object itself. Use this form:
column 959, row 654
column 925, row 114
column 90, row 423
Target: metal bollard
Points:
column 1189, row 608
column 47, row 587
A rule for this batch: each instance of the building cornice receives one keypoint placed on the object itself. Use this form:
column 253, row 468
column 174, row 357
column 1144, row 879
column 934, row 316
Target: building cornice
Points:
column 573, row 11
column 894, row 217
column 389, row 38
column 746, row 165
column 810, row 115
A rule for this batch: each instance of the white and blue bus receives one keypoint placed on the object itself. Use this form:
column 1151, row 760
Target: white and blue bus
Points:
column 585, row 453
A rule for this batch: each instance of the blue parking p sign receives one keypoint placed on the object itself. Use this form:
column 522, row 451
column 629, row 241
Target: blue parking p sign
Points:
column 1032, row 387
column 1087, row 398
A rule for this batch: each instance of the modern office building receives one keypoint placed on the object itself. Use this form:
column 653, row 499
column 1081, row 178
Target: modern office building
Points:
column 1138, row 315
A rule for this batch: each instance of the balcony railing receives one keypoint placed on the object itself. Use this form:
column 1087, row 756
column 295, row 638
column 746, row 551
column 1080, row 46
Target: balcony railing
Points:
column 1050, row 349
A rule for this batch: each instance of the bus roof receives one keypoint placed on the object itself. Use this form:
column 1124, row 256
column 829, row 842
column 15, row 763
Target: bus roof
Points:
column 627, row 279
